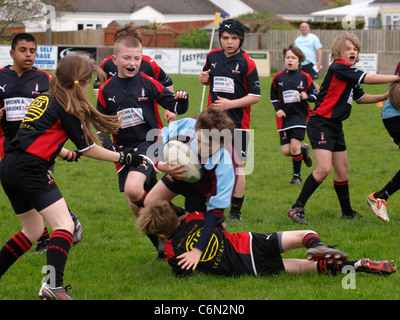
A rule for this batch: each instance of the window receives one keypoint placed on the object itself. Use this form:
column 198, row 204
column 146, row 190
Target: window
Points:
column 393, row 21
column 89, row 26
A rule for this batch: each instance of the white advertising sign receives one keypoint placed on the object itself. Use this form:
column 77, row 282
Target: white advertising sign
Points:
column 167, row 59
column 368, row 63
column 192, row 61
column 46, row 58
column 5, row 58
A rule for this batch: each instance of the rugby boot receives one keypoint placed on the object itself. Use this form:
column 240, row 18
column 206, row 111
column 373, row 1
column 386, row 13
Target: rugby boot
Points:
column 384, row 267
column 59, row 293
column 297, row 214
column 326, row 253
column 378, row 206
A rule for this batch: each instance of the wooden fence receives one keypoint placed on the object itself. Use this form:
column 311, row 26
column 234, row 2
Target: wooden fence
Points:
column 87, row 38
column 384, row 42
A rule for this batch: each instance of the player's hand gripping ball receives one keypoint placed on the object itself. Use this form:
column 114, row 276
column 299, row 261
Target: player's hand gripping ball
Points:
column 181, row 153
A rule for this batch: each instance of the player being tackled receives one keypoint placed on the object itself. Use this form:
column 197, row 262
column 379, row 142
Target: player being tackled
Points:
column 245, row 252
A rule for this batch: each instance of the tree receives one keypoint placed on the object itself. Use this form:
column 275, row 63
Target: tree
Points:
column 19, row 11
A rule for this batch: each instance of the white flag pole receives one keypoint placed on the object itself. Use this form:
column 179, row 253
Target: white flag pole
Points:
column 204, row 87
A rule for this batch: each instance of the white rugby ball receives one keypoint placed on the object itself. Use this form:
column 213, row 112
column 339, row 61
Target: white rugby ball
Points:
column 181, row 153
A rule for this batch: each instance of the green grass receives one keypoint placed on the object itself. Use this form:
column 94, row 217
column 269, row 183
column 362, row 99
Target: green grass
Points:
column 114, row 260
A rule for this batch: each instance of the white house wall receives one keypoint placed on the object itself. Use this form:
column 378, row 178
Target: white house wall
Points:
column 233, row 7
column 69, row 21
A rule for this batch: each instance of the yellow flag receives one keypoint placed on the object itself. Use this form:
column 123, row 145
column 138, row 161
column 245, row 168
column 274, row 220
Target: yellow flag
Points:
column 219, row 17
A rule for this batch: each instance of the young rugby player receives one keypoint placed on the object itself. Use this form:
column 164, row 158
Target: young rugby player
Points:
column 391, row 119
column 148, row 66
column 291, row 89
column 245, row 253
column 210, row 136
column 21, row 83
column 234, row 87
column 340, row 86
column 53, row 118
column 135, row 97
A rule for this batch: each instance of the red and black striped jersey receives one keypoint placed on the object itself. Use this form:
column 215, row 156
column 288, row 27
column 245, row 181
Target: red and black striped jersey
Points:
column 285, row 94
column 45, row 129
column 148, row 66
column 136, row 100
column 226, row 253
column 340, row 86
column 16, row 94
column 233, row 78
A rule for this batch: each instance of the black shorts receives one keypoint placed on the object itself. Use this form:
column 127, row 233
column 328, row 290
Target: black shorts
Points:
column 147, row 170
column 326, row 134
column 295, row 133
column 392, row 126
column 26, row 182
column 194, row 199
column 309, row 68
column 267, row 249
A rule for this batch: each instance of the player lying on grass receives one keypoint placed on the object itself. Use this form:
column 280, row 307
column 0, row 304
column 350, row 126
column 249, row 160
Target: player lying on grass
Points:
column 243, row 253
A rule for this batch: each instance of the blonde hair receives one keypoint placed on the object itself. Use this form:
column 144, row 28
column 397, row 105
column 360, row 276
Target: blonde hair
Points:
column 339, row 45
column 72, row 74
column 157, row 218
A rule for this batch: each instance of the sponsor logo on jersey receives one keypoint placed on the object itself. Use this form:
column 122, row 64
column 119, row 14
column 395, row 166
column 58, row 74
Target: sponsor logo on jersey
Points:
column 211, row 249
column 37, row 108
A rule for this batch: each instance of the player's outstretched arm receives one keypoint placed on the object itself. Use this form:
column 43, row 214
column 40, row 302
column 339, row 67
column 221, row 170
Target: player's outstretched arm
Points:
column 373, row 98
column 380, row 78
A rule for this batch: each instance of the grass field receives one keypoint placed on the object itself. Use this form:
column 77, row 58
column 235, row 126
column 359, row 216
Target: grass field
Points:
column 114, row 261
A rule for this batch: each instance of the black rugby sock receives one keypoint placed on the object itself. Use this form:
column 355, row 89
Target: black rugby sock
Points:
column 391, row 187
column 311, row 240
column 13, row 250
column 57, row 253
column 342, row 191
column 45, row 235
column 297, row 159
column 310, row 185
column 236, row 204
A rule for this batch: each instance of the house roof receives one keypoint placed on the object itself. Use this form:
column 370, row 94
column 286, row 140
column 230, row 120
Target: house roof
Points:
column 287, row 7
column 130, row 6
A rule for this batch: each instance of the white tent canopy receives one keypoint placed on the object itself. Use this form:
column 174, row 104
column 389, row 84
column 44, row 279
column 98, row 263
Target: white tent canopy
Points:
column 364, row 9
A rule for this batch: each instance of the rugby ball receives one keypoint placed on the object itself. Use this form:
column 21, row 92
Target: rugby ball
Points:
column 181, row 153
